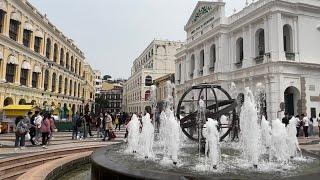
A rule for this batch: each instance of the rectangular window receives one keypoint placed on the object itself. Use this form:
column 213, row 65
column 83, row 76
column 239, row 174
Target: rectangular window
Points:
column 23, row 77
column 11, row 68
column 313, row 112
column 35, row 77
column 14, row 29
column 26, row 37
column 37, row 44
column 312, row 88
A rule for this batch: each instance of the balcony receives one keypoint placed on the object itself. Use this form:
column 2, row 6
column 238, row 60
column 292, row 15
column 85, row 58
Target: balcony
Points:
column 191, row 75
column 211, row 69
column 200, row 72
column 290, row 56
column 259, row 59
column 238, row 64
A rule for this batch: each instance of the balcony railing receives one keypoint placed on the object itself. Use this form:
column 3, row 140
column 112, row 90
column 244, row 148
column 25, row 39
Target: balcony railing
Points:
column 290, row 56
column 238, row 64
column 259, row 58
column 200, row 72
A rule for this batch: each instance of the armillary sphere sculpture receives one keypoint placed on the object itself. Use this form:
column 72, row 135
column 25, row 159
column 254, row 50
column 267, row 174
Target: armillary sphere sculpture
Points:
column 216, row 102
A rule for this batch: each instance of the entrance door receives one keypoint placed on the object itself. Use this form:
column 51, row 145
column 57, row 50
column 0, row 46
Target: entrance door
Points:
column 289, row 103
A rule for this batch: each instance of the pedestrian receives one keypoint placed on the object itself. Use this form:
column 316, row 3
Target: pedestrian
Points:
column 298, row 125
column 32, row 129
column 285, row 119
column 318, row 120
column 108, row 127
column 38, row 121
column 75, row 126
column 81, row 123
column 88, row 125
column 117, row 122
column 99, row 125
column 21, row 131
column 311, row 126
column 45, row 130
column 52, row 128
column 305, row 123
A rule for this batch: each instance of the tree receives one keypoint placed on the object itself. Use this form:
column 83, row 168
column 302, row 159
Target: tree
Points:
column 106, row 77
column 101, row 104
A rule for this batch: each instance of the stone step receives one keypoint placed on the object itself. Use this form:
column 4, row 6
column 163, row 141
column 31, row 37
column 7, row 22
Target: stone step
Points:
column 24, row 165
column 14, row 175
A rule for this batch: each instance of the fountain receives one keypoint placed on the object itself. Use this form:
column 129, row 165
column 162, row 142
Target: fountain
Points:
column 265, row 150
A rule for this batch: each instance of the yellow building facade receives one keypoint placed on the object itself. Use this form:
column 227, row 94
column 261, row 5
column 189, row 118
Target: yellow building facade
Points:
column 38, row 64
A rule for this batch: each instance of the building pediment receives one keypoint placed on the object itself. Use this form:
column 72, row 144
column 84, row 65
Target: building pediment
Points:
column 202, row 10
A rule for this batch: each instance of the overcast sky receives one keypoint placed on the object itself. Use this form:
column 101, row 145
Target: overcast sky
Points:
column 112, row 33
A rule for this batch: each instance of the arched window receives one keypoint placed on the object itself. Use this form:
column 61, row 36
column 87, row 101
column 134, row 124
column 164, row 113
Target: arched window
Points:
column 24, row 76
column 26, row 37
column 8, row 101
column 53, row 81
column 147, row 95
column 79, row 90
column 2, row 15
column 260, row 43
column 70, row 88
column 65, row 85
column 35, row 79
column 76, row 66
column 67, row 61
column 38, row 41
column 179, row 74
column 10, row 72
column 287, row 38
column 80, row 68
column 46, row 80
column 14, row 29
column 48, row 48
column 148, row 80
column 201, row 63
column 61, row 57
column 22, row 102
column 239, row 49
column 55, row 53
column 72, row 64
column 74, row 89
column 60, row 84
column 212, row 57
column 192, row 65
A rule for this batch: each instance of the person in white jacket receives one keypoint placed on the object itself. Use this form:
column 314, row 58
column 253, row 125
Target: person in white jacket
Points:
column 305, row 121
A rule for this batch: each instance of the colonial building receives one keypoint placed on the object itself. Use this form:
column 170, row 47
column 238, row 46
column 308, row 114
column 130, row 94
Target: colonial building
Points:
column 156, row 60
column 114, row 98
column 38, row 63
column 273, row 42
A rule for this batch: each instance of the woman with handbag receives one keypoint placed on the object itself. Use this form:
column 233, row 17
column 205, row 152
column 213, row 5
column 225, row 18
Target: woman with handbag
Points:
column 45, row 130
column 21, row 131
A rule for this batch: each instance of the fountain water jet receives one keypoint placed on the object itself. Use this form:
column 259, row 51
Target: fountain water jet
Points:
column 212, row 149
column 146, row 137
column 279, row 147
column 133, row 134
column 250, row 129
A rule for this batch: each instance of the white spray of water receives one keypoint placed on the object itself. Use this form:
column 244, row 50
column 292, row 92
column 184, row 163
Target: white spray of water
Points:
column 212, row 149
column 292, row 140
column 224, row 120
column 146, row 137
column 279, row 147
column 173, row 143
column 233, row 90
column 265, row 135
column 133, row 134
column 250, row 129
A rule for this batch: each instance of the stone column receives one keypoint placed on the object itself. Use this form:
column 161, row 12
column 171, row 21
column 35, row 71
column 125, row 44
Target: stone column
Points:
column 206, row 64
column 7, row 22
column 50, row 81
column 40, row 81
column 272, row 97
column 4, row 64
column 57, row 83
column 58, row 55
column 62, row 85
column 32, row 40
column 18, row 70
column 51, row 50
column 43, row 45
column 29, row 79
column 196, row 63
column 21, row 28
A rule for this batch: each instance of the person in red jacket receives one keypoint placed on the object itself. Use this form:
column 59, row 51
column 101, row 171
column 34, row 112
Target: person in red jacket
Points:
column 45, row 130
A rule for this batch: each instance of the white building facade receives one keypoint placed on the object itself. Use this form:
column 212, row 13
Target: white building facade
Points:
column 273, row 42
column 157, row 60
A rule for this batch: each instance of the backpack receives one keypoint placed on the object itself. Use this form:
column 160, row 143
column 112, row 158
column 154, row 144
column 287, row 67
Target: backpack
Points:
column 21, row 128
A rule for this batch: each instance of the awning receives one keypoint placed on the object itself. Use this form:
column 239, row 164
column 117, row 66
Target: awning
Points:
column 15, row 16
column 1, row 55
column 38, row 33
column 26, row 65
column 13, row 60
column 28, row 26
column 37, row 69
column 3, row 5
column 18, row 107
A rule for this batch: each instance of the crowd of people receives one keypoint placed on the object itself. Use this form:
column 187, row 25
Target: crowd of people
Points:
column 304, row 124
column 38, row 128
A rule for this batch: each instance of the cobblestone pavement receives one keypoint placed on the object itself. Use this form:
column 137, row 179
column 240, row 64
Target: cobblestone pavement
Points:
column 61, row 140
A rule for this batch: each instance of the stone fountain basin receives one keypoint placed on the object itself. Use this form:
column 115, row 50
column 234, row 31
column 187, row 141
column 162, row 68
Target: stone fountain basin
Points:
column 115, row 163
